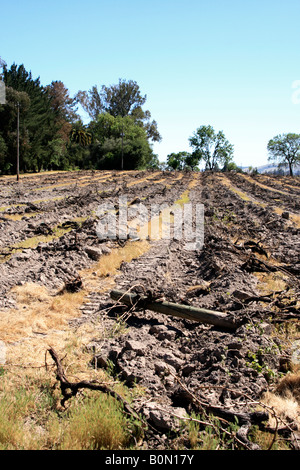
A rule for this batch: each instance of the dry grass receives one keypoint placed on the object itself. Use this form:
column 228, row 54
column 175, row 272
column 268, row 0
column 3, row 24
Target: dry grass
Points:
column 159, row 226
column 33, row 419
column 34, row 175
column 29, row 402
column 97, row 425
column 108, row 265
column 42, row 318
column 16, row 217
column 38, row 312
column 4, row 208
column 143, row 180
column 269, row 283
column 285, row 402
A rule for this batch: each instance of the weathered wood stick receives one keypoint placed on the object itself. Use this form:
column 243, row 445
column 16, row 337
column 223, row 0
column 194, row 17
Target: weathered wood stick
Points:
column 201, row 315
column 70, row 389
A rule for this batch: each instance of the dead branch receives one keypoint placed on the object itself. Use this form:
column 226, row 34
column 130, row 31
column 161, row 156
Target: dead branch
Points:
column 70, row 389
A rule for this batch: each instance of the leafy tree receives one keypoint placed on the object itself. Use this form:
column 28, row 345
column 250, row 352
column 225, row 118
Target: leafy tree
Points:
column 114, row 137
column 80, row 134
column 122, row 99
column 91, row 102
column 176, row 161
column 210, row 147
column 191, row 161
column 231, row 166
column 183, row 161
column 63, row 106
column 154, row 163
column 66, row 116
column 285, row 148
column 52, row 136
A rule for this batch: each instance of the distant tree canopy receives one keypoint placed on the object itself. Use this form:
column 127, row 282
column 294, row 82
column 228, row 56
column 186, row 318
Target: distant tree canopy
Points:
column 52, row 135
column 45, row 122
column 122, row 99
column 285, row 149
column 119, row 134
column 210, row 147
column 182, row 161
column 121, row 129
column 115, row 137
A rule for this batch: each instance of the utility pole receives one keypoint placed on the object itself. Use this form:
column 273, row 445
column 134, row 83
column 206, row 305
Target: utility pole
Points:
column 18, row 141
column 122, row 162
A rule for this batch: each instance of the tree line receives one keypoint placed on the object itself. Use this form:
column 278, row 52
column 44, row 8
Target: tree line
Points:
column 120, row 134
column 216, row 152
column 52, row 135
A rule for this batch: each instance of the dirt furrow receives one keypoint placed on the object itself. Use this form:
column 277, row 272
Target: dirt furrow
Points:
column 248, row 267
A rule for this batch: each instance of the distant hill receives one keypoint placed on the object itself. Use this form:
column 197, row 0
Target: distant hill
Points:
column 273, row 169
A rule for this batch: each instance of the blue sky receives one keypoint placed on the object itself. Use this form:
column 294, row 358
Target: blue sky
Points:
column 228, row 63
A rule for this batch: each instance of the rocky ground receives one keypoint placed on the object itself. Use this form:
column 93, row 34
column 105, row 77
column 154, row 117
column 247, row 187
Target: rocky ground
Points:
column 248, row 268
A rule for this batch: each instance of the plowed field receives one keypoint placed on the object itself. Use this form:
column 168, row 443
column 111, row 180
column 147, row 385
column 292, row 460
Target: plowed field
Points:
column 57, row 274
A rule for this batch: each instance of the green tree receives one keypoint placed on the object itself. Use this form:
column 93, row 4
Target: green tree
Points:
column 116, row 139
column 210, row 147
column 39, row 123
column 80, row 134
column 191, row 161
column 285, row 149
column 183, row 161
column 231, row 166
column 91, row 102
column 122, row 99
column 176, row 161
column 8, row 126
column 3, row 153
column 154, row 163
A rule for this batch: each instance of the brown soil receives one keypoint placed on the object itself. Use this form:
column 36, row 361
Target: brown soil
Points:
column 248, row 268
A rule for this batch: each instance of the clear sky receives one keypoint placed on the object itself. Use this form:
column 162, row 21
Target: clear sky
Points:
column 228, row 63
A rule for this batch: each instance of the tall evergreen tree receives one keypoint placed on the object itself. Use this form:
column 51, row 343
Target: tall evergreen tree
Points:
column 8, row 129
column 38, row 121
